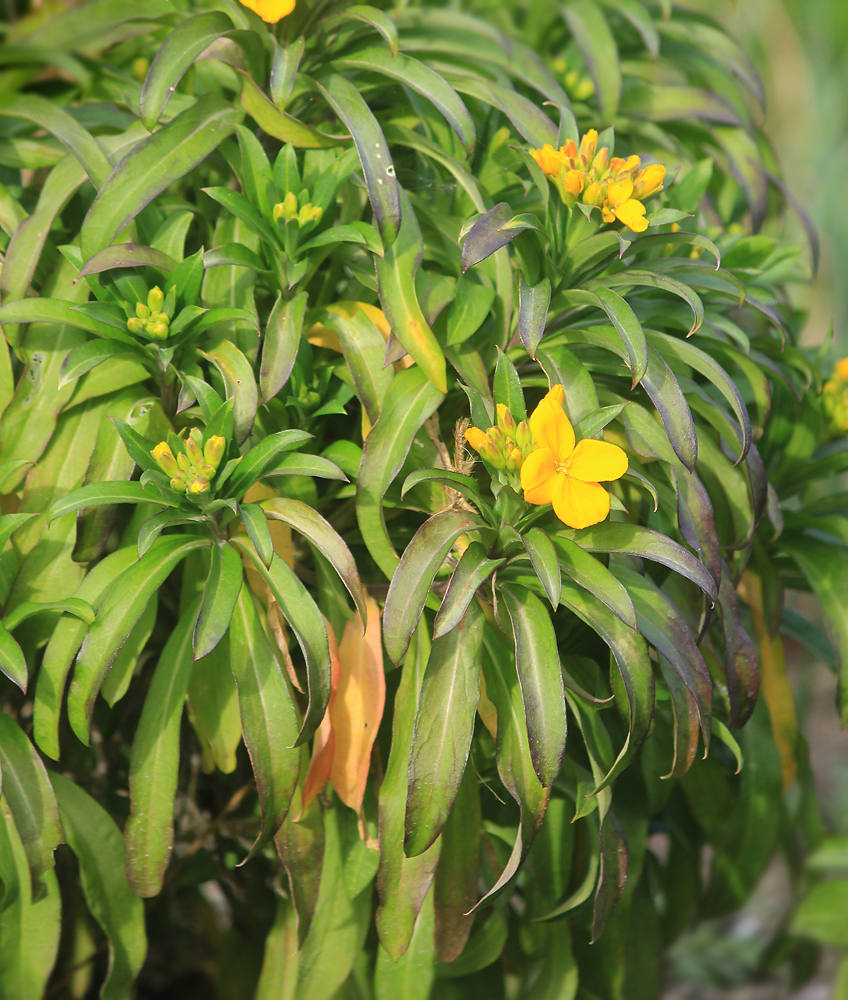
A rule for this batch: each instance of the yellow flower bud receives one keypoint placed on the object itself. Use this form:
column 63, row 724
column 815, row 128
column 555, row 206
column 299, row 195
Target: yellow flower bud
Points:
column 135, row 325
column 213, row 451
column 142, row 311
column 316, row 214
column 497, row 437
column 183, row 462
column 506, row 421
column 155, row 299
column 492, row 455
column 476, row 438
column 286, row 209
column 196, row 483
column 164, row 458
column 524, row 437
column 514, row 460
column 841, row 370
column 178, row 483
column 157, row 331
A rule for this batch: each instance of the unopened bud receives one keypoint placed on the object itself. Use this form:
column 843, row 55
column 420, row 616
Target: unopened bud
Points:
column 506, row 421
column 193, row 446
column 135, row 325
column 514, row 460
column 142, row 311
column 492, row 455
column 497, row 437
column 287, row 208
column 164, row 458
column 524, row 436
column 155, row 299
column 196, row 483
column 157, row 331
column 183, row 462
column 213, row 450
column 178, row 483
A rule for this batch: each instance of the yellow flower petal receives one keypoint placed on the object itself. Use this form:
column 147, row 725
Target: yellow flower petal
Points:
column 649, row 180
column 593, row 195
column 597, row 461
column 579, row 504
column 632, row 214
column 588, row 147
column 572, row 182
column 841, row 369
column 548, row 159
column 619, row 191
column 270, row 11
column 551, row 427
column 538, row 474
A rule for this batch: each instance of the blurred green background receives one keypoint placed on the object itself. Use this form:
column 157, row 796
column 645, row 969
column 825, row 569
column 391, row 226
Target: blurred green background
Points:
column 801, row 50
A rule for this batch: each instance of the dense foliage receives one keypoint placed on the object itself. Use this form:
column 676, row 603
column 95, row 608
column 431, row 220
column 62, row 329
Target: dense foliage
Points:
column 321, row 338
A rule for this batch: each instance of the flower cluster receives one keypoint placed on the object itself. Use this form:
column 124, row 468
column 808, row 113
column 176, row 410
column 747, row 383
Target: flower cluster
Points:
column 149, row 319
column 835, row 398
column 589, row 175
column 193, row 468
column 290, row 211
column 504, row 446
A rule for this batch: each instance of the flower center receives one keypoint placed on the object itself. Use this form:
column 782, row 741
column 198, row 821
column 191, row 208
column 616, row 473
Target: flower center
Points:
column 563, row 467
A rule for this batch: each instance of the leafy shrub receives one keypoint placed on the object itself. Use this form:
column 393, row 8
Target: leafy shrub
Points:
column 268, row 293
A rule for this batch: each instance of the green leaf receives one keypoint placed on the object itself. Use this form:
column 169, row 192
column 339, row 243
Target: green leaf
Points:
column 261, row 457
column 268, row 717
column 73, row 136
column 533, row 304
column 419, row 77
column 396, row 287
column 402, row 882
column 377, row 166
column 128, row 255
column 593, row 576
column 621, row 538
column 597, row 45
column 498, row 227
column 280, row 125
column 325, row 538
column 47, row 310
column 27, row 789
column 280, row 344
column 410, row 400
column 213, row 709
column 364, row 350
column 93, row 353
column 256, row 525
column 153, row 165
column 92, row 835
column 444, row 724
column 70, row 605
column 306, row 465
column 411, row 581
column 634, row 278
column 823, row 914
column 237, row 373
column 677, row 102
column 176, row 54
column 545, row 562
column 219, row 599
column 99, row 494
column 411, row 976
column 471, row 304
column 117, row 614
column 63, row 645
column 508, row 387
column 12, row 661
column 243, row 210
column 540, row 676
column 483, row 949
column 471, row 572
column 154, row 764
column 455, row 481
column 307, row 623
column 120, row 676
column 367, row 15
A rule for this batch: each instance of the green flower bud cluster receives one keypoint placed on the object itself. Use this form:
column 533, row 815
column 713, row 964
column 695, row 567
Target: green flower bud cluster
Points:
column 191, row 470
column 289, row 210
column 504, row 446
column 149, row 319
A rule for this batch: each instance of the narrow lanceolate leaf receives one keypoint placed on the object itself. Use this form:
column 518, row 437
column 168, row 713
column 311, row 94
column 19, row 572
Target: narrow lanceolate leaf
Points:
column 458, row 871
column 540, row 676
column 258, row 530
column 179, row 50
column 740, row 654
column 634, row 664
column 219, row 599
column 324, row 537
column 27, row 789
column 507, row 385
column 262, row 458
column 73, row 136
column 93, row 836
column 412, row 579
column 127, row 255
column 533, row 304
column 498, row 227
column 153, row 165
column 280, row 125
column 383, row 188
column 118, row 612
column 613, row 873
column 280, row 344
column 592, row 575
column 12, row 661
column 444, row 724
column 626, row 322
column 357, row 706
column 237, row 373
column 91, row 354
column 154, row 764
column 545, row 562
column 268, row 717
column 410, row 400
column 396, row 272
column 101, row 494
column 62, row 647
column 634, row 540
column 307, row 623
column 597, row 45
column 364, row 349
column 402, row 883
column 472, row 570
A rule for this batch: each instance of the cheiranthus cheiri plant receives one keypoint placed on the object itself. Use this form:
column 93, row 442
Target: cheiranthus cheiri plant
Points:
column 402, row 476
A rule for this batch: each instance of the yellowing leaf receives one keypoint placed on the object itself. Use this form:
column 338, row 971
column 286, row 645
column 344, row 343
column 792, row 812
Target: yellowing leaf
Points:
column 324, row 742
column 358, row 705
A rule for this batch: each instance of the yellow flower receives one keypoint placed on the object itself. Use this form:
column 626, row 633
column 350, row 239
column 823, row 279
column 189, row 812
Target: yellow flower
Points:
column 270, row 11
column 620, row 204
column 649, row 180
column 841, row 370
column 164, row 458
column 548, row 159
column 565, row 474
column 588, row 148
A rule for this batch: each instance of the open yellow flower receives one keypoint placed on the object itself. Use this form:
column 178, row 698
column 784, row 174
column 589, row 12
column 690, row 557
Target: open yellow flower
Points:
column 270, row 11
column 566, row 474
column 621, row 205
